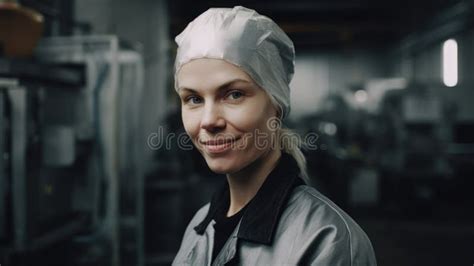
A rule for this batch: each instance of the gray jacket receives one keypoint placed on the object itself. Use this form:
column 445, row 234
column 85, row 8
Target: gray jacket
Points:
column 287, row 223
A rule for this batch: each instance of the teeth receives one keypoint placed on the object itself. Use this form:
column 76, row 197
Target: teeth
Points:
column 219, row 142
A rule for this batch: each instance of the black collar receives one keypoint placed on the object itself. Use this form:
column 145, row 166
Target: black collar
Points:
column 262, row 214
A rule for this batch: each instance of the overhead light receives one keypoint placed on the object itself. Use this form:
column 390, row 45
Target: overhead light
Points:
column 360, row 96
column 450, row 63
column 328, row 128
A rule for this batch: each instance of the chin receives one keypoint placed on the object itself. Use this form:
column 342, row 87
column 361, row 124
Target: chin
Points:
column 222, row 165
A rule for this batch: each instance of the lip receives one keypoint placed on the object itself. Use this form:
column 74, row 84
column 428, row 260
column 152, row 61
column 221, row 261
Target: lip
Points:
column 218, row 146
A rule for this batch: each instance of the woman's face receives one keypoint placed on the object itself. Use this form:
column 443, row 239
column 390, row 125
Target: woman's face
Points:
column 225, row 113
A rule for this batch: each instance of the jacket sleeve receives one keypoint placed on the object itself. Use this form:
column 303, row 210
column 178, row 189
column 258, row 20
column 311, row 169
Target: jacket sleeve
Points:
column 338, row 246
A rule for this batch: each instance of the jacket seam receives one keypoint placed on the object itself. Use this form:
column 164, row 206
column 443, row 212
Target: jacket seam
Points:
column 308, row 190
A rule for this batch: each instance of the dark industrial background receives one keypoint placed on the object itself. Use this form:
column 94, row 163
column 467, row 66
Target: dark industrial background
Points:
column 87, row 99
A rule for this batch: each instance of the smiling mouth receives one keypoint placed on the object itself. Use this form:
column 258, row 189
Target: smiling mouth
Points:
column 219, row 145
column 218, row 141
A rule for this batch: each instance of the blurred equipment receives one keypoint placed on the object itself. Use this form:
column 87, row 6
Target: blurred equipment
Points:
column 413, row 152
column 71, row 185
column 37, row 197
column 21, row 29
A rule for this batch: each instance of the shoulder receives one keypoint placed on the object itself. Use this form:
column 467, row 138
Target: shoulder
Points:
column 190, row 233
column 316, row 219
column 195, row 221
column 311, row 203
column 190, row 236
column 199, row 216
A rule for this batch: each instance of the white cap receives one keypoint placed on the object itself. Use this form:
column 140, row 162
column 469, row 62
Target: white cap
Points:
column 244, row 38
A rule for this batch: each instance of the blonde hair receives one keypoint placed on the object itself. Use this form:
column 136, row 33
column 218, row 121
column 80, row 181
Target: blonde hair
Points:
column 290, row 142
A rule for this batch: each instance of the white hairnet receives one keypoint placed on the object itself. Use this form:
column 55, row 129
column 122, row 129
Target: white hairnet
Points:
column 247, row 39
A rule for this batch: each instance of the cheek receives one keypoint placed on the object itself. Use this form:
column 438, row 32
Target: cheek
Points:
column 251, row 116
column 190, row 122
column 244, row 119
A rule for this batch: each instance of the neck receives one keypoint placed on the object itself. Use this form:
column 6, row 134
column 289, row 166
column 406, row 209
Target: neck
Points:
column 244, row 184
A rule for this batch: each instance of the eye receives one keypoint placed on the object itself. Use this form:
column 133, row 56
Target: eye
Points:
column 234, row 95
column 193, row 99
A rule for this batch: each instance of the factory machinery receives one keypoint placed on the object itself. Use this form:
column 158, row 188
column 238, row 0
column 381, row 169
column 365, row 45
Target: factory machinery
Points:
column 71, row 186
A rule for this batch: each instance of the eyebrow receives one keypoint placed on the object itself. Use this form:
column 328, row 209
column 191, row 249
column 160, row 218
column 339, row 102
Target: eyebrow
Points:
column 225, row 85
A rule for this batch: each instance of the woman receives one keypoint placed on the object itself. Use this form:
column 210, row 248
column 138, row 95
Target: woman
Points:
column 232, row 73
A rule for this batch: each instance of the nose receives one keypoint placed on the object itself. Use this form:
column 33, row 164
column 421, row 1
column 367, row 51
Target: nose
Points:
column 212, row 119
